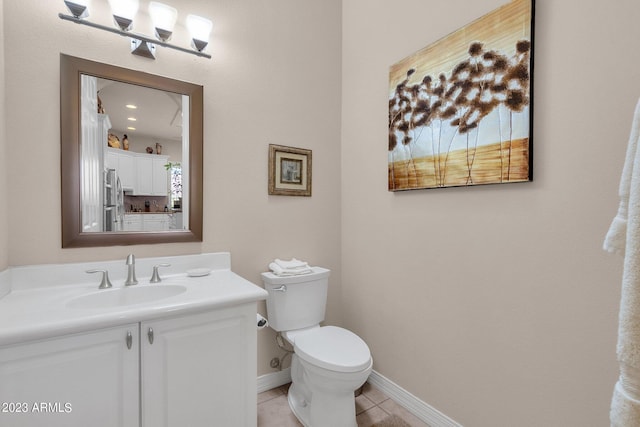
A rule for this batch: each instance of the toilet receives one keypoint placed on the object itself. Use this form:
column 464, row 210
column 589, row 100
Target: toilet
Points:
column 329, row 363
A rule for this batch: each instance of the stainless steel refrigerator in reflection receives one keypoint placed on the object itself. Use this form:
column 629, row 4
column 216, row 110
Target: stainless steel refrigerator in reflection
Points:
column 113, row 201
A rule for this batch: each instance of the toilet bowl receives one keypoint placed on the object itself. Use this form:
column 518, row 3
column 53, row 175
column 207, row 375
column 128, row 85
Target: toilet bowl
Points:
column 329, row 363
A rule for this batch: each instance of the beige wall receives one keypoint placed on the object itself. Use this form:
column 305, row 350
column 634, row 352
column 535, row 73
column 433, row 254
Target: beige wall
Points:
column 274, row 78
column 4, row 191
column 494, row 304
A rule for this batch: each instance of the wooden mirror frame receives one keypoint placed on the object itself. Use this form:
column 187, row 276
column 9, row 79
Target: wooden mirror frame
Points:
column 70, row 133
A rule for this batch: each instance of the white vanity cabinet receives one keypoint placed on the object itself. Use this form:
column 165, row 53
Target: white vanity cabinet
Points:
column 88, row 379
column 192, row 370
column 200, row 370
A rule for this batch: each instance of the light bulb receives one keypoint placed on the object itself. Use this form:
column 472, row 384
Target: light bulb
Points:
column 164, row 19
column 200, row 29
column 123, row 12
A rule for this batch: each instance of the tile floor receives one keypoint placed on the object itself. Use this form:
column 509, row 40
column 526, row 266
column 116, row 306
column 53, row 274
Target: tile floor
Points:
column 372, row 406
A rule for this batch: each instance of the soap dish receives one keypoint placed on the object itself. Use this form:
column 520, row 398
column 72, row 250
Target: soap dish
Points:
column 198, row 272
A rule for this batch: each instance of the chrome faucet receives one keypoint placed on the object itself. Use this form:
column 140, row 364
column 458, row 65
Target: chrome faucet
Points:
column 131, row 271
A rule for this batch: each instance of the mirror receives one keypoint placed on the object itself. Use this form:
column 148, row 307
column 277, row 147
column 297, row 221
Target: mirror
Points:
column 131, row 160
column 117, row 196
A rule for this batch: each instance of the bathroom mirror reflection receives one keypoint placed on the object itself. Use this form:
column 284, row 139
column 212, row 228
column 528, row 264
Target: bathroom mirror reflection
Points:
column 132, row 142
column 131, row 156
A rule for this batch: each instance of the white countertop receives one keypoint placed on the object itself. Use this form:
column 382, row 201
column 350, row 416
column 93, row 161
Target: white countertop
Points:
column 31, row 312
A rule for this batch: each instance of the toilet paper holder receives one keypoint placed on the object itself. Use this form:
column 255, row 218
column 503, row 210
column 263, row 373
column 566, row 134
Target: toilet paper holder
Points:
column 261, row 322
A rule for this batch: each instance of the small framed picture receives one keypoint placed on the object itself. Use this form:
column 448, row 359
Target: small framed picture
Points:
column 289, row 171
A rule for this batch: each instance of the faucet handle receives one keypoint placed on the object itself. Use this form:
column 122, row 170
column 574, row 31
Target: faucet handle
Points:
column 105, row 283
column 155, row 278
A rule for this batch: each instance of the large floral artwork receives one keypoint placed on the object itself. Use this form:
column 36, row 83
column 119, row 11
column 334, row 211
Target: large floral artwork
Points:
column 460, row 109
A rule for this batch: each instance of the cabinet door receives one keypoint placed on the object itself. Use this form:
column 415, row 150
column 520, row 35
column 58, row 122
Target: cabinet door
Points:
column 155, row 222
column 144, row 168
column 111, row 159
column 160, row 177
column 175, row 221
column 124, row 164
column 127, row 172
column 132, row 222
column 200, row 370
column 86, row 379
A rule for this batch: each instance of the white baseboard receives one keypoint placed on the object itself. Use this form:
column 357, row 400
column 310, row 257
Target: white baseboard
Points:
column 417, row 407
column 274, row 379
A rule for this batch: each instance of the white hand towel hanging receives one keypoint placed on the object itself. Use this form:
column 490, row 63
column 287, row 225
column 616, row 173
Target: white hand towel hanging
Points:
column 624, row 238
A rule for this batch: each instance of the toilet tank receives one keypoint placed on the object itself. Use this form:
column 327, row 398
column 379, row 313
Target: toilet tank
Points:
column 300, row 301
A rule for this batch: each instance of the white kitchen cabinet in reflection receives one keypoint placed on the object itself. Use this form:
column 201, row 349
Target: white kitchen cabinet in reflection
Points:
column 147, row 222
column 140, row 174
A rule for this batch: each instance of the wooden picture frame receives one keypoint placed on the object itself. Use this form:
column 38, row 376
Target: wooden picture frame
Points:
column 289, row 171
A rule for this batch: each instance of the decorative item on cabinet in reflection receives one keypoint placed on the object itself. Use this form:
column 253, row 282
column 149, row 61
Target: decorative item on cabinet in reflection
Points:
column 100, row 106
column 125, row 142
column 158, row 148
column 113, row 141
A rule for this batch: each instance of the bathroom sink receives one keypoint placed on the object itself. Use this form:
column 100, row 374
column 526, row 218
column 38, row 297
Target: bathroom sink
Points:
column 117, row 297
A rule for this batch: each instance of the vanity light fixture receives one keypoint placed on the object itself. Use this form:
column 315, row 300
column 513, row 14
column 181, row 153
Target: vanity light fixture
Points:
column 163, row 16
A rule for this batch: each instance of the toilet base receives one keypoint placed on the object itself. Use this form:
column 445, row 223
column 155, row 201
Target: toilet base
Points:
column 323, row 404
column 327, row 410
column 299, row 406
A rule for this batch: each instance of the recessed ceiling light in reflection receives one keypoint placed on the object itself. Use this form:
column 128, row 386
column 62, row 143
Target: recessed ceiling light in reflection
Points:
column 131, row 106
column 131, row 128
column 132, row 119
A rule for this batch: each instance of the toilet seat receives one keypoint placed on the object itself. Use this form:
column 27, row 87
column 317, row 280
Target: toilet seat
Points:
column 333, row 348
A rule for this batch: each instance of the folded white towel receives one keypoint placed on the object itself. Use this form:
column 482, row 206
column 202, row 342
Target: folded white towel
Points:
column 294, row 263
column 279, row 271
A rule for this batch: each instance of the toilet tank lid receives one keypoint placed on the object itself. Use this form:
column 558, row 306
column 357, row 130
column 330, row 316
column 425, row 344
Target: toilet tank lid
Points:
column 318, row 273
